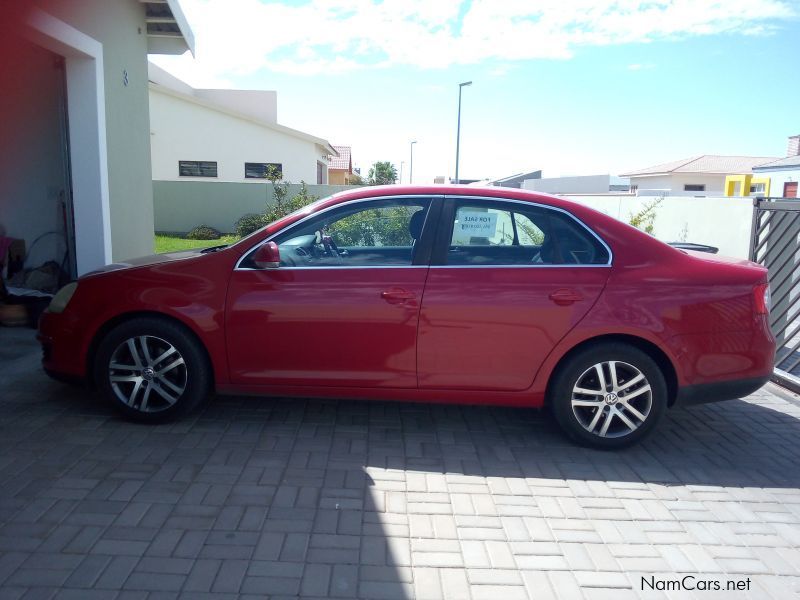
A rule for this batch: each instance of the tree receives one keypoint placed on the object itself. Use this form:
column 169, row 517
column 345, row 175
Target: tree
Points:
column 280, row 188
column 356, row 179
column 382, row 173
column 285, row 207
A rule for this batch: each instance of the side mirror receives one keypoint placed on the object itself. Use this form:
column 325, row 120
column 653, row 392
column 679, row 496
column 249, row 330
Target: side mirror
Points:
column 267, row 256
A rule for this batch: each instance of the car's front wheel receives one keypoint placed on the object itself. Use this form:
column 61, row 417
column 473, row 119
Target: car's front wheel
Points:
column 608, row 396
column 152, row 370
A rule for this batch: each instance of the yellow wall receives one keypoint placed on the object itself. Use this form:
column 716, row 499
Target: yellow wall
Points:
column 744, row 181
column 338, row 177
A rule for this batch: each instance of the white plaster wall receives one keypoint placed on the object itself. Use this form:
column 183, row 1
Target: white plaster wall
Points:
column 588, row 184
column 119, row 26
column 260, row 104
column 715, row 184
column 184, row 130
column 721, row 222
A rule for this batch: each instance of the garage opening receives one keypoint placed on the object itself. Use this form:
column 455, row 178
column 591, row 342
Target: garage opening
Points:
column 36, row 212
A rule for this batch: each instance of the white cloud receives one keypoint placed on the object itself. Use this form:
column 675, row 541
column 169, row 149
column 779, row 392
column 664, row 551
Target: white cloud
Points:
column 239, row 37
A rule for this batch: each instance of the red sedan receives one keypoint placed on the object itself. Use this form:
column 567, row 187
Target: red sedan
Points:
column 431, row 294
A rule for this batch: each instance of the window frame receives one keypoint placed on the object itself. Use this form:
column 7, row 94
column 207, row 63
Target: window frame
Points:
column 422, row 250
column 444, row 234
column 199, row 164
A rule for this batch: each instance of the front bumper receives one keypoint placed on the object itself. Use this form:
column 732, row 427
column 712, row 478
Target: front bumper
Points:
column 63, row 356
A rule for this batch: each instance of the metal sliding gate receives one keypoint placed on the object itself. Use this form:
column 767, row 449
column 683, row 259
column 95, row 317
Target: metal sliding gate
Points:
column 775, row 243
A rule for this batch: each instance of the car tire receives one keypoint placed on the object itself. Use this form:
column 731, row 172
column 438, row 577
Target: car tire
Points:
column 152, row 370
column 608, row 396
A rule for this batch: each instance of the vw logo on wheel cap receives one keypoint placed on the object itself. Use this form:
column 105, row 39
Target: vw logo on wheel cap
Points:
column 611, row 398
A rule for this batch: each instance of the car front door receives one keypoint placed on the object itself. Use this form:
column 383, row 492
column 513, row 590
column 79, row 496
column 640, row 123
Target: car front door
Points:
column 508, row 280
column 343, row 306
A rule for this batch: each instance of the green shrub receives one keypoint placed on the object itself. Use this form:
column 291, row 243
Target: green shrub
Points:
column 247, row 224
column 203, row 232
column 645, row 218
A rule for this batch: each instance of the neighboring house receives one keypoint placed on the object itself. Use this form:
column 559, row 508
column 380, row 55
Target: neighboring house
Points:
column 583, row 184
column 512, row 181
column 75, row 120
column 784, row 173
column 698, row 176
column 340, row 168
column 227, row 135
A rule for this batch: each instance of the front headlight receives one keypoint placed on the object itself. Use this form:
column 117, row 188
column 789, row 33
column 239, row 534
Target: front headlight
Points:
column 62, row 298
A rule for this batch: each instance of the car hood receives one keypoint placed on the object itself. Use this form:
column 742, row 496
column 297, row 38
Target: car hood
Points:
column 146, row 261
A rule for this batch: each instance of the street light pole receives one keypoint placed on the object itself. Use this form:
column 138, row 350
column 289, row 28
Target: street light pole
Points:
column 411, row 166
column 458, row 129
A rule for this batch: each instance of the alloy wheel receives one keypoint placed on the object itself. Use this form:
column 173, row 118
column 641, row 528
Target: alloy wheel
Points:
column 612, row 399
column 147, row 373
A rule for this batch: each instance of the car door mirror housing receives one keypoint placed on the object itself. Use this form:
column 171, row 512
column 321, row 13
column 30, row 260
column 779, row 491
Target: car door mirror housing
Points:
column 268, row 256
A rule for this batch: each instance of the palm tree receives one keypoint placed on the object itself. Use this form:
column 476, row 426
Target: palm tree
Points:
column 382, row 173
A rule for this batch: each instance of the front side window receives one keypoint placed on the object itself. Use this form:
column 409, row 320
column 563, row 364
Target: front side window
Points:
column 374, row 233
column 500, row 233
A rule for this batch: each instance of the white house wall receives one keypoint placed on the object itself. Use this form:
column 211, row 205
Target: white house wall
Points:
column 184, row 130
column 585, row 184
column 260, row 104
column 120, row 27
column 779, row 178
column 715, row 184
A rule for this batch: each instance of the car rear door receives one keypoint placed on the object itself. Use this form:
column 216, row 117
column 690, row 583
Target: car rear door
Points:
column 508, row 280
column 342, row 308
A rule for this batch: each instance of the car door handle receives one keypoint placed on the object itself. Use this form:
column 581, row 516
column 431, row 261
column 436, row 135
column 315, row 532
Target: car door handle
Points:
column 565, row 297
column 394, row 296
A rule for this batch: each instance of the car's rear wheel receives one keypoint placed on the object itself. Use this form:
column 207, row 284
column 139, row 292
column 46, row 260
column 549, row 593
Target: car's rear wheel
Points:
column 608, row 396
column 152, row 370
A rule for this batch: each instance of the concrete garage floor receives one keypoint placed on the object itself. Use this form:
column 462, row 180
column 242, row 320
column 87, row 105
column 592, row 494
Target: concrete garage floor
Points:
column 257, row 498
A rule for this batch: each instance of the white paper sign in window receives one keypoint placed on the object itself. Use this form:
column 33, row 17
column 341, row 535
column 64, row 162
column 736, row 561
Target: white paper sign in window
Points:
column 476, row 224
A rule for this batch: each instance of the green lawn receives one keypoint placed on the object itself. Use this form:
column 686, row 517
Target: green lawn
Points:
column 168, row 243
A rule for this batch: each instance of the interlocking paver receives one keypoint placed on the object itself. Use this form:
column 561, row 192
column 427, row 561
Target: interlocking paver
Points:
column 251, row 498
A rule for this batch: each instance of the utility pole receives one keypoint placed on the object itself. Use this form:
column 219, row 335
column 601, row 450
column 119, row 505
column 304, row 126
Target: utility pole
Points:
column 458, row 129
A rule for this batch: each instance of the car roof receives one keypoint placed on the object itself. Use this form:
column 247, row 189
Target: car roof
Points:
column 446, row 190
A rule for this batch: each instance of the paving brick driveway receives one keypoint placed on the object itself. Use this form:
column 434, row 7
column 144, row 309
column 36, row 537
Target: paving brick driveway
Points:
column 254, row 498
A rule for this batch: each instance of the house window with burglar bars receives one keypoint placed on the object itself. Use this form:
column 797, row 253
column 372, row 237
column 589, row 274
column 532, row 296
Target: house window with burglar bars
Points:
column 197, row 168
column 253, row 170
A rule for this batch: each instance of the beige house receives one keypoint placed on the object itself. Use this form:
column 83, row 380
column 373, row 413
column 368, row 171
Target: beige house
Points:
column 340, row 168
column 76, row 127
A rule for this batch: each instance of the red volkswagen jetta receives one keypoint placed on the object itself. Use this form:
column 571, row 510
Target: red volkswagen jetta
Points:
column 432, row 294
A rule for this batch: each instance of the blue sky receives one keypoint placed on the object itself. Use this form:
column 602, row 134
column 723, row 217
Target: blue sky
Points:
column 573, row 87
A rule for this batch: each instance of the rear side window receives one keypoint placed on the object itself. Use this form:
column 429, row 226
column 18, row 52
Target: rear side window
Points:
column 512, row 234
